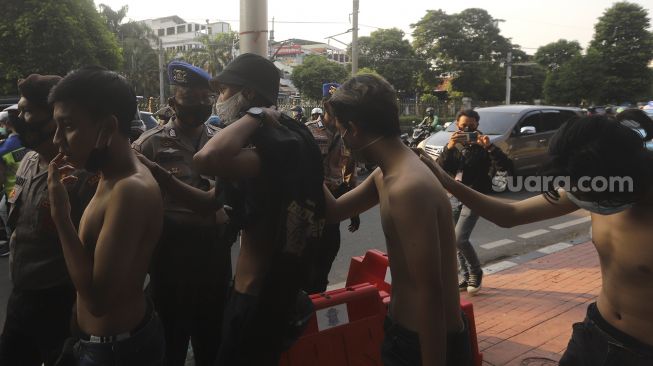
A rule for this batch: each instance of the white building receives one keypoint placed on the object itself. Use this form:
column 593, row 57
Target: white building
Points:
column 179, row 35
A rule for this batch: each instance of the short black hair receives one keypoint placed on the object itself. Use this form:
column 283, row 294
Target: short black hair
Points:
column 468, row 113
column 639, row 116
column 35, row 88
column 99, row 91
column 370, row 102
column 600, row 146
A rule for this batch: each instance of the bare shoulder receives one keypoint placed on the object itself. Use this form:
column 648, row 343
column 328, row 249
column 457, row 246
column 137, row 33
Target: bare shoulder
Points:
column 139, row 190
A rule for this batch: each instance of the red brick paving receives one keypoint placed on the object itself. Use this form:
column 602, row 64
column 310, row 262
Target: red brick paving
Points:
column 524, row 314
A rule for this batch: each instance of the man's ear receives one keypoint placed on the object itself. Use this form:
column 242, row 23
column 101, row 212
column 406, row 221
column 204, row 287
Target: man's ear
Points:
column 250, row 95
column 108, row 127
column 353, row 128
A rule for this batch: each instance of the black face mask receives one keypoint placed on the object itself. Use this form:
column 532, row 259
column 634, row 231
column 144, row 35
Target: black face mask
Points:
column 193, row 115
column 96, row 159
column 31, row 135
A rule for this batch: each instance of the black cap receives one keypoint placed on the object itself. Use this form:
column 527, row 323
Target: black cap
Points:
column 252, row 71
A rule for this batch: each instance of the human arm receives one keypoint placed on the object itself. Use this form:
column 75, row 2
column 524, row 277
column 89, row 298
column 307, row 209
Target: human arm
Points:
column 416, row 223
column 504, row 214
column 202, row 202
column 354, row 202
column 350, row 180
column 226, row 156
column 500, row 160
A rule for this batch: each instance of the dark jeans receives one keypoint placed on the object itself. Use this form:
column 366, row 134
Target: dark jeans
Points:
column 36, row 327
column 144, row 348
column 189, row 278
column 324, row 256
column 596, row 342
column 252, row 336
column 465, row 221
column 401, row 346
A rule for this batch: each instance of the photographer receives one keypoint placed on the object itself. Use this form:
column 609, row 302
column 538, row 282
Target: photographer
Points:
column 472, row 159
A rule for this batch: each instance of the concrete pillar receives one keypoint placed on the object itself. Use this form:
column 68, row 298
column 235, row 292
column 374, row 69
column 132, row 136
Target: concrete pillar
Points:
column 254, row 27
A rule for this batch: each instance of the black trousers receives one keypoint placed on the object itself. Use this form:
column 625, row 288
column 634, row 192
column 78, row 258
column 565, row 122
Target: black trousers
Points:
column 36, row 326
column 190, row 271
column 325, row 254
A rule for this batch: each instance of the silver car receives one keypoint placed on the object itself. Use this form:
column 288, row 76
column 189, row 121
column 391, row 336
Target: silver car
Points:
column 521, row 131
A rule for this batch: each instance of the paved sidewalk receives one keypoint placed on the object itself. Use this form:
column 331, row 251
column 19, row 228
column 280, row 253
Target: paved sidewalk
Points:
column 524, row 314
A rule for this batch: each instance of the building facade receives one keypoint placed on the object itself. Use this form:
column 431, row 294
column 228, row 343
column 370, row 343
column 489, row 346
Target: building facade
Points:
column 178, row 35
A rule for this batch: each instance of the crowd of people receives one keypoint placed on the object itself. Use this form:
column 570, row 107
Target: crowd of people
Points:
column 120, row 252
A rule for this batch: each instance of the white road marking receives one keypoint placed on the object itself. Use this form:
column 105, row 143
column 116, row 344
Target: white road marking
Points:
column 497, row 267
column 496, row 244
column 554, row 248
column 533, row 234
column 571, row 223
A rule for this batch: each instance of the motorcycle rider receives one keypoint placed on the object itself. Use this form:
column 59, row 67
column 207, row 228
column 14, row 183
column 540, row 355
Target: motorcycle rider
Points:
column 430, row 121
column 317, row 115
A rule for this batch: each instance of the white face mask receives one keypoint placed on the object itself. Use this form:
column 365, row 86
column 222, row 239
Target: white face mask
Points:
column 596, row 207
column 229, row 110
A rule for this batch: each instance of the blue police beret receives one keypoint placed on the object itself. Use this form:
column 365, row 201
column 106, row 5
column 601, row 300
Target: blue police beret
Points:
column 184, row 74
column 329, row 88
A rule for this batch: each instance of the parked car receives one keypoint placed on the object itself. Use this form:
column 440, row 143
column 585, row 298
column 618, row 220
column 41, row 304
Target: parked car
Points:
column 596, row 110
column 148, row 119
column 8, row 101
column 521, row 131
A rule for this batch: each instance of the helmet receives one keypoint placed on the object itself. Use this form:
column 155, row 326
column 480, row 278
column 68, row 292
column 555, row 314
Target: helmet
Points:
column 430, row 109
column 317, row 111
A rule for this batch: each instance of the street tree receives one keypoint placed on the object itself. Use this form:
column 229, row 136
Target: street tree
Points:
column 52, row 37
column 391, row 56
column 553, row 55
column 576, row 82
column 624, row 45
column 216, row 52
column 315, row 71
column 467, row 46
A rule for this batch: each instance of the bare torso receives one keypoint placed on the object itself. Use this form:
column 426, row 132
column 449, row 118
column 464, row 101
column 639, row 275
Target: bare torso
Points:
column 624, row 242
column 130, row 308
column 403, row 307
column 255, row 251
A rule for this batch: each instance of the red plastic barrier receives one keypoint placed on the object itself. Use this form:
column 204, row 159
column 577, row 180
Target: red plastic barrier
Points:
column 346, row 329
column 374, row 268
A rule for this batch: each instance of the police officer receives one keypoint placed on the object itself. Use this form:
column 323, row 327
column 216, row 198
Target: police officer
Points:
column 339, row 177
column 190, row 267
column 11, row 154
column 42, row 297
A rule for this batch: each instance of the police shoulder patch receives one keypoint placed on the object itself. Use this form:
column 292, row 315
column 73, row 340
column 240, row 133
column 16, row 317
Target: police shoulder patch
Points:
column 147, row 134
column 19, row 154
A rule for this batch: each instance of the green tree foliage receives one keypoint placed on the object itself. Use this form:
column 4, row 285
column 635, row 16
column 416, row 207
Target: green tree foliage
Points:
column 624, row 45
column 466, row 45
column 215, row 54
column 389, row 54
column 52, row 37
column 576, row 82
column 141, row 64
column 555, row 54
column 315, row 71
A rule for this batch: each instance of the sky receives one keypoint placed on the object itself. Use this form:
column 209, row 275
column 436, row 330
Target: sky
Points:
column 528, row 23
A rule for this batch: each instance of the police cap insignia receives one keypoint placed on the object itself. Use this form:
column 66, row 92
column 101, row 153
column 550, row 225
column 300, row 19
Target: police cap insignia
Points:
column 186, row 75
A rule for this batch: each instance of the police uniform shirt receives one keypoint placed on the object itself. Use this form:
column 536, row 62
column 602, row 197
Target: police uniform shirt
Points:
column 37, row 260
column 168, row 148
column 339, row 167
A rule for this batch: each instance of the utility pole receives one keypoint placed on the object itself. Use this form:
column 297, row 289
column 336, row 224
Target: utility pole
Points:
column 354, row 40
column 508, row 76
column 254, row 27
column 162, row 97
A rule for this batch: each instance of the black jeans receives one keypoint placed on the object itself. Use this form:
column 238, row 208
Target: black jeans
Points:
column 144, row 348
column 36, row 327
column 596, row 342
column 401, row 346
column 325, row 254
column 189, row 278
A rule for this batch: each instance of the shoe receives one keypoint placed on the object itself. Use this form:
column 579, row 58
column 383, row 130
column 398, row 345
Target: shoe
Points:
column 463, row 283
column 4, row 248
column 474, row 283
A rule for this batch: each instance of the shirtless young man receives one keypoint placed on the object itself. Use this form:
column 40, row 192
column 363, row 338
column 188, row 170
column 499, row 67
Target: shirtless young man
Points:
column 424, row 325
column 618, row 329
column 109, row 257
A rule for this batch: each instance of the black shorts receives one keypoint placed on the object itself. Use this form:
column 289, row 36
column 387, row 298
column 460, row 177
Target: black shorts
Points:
column 597, row 342
column 401, row 346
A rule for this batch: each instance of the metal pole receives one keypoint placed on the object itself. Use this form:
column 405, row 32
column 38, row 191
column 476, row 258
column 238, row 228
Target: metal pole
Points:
column 508, row 76
column 254, row 27
column 354, row 40
column 162, row 97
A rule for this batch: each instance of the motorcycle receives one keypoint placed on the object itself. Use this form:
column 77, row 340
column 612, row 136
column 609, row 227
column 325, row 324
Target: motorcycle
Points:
column 419, row 134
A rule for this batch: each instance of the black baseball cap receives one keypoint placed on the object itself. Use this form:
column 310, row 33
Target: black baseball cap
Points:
column 254, row 72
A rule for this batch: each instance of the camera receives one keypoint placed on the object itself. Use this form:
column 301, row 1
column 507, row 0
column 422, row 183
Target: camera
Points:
column 471, row 136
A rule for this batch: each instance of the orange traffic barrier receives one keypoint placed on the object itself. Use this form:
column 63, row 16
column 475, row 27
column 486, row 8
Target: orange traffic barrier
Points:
column 346, row 329
column 374, row 268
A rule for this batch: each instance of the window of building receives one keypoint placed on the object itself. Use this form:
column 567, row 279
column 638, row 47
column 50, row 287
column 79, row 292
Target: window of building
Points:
column 190, row 27
column 181, row 29
column 197, row 27
column 210, row 30
column 170, row 31
column 203, row 27
column 161, row 32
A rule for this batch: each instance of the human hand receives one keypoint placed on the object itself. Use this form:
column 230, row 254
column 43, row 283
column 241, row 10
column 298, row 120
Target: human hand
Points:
column 483, row 141
column 145, row 161
column 456, row 137
column 437, row 170
column 354, row 224
column 59, row 175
